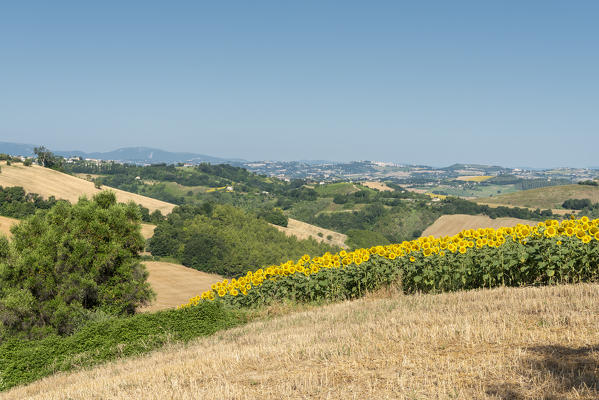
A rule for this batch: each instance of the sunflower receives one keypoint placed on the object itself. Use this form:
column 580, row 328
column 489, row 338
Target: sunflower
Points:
column 412, row 259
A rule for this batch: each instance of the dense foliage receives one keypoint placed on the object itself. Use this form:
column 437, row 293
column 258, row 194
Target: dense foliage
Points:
column 548, row 253
column 225, row 240
column 24, row 361
column 70, row 264
column 16, row 203
column 576, row 204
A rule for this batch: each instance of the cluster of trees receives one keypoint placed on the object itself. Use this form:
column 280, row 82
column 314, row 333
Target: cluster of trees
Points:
column 16, row 203
column 576, row 204
column 589, row 183
column 117, row 174
column 226, row 240
column 273, row 215
column 70, row 265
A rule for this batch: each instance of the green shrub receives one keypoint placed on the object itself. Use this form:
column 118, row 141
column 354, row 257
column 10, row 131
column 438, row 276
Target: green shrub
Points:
column 64, row 264
column 358, row 238
column 23, row 361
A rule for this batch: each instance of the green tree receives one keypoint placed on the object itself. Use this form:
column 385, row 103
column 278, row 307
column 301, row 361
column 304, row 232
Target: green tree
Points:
column 65, row 265
column 47, row 159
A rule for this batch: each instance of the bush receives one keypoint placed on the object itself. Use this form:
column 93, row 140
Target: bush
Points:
column 69, row 262
column 24, row 361
column 589, row 183
column 274, row 215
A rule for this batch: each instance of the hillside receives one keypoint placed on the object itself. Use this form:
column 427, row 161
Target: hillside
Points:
column 174, row 284
column 448, row 225
column 5, row 224
column 546, row 197
column 505, row 343
column 47, row 182
column 303, row 230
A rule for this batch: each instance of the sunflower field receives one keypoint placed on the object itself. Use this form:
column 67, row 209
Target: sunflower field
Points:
column 550, row 252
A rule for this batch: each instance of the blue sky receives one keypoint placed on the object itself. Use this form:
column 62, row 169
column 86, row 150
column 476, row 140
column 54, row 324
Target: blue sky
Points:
column 514, row 83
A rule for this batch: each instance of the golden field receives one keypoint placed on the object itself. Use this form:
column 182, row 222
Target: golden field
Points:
column 550, row 197
column 505, row 343
column 5, row 224
column 47, row 182
column 448, row 225
column 303, row 230
column 381, row 186
column 474, row 178
column 174, row 284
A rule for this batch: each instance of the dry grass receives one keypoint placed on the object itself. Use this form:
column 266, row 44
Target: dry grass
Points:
column 474, row 178
column 506, row 343
column 378, row 186
column 175, row 284
column 47, row 182
column 5, row 224
column 147, row 230
column 453, row 224
column 303, row 230
column 547, row 197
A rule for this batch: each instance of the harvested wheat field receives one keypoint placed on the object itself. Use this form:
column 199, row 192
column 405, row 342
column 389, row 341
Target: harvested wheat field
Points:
column 506, row 343
column 175, row 284
column 303, row 230
column 378, row 186
column 47, row 182
column 147, row 230
column 547, row 197
column 447, row 225
column 5, row 224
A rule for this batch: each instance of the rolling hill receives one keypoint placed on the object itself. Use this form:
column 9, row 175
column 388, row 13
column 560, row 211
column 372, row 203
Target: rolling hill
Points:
column 505, row 343
column 303, row 230
column 47, row 182
column 447, row 225
column 175, row 284
column 547, row 197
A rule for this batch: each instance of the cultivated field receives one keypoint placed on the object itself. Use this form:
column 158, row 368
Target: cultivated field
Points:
column 5, row 224
column 547, row 197
column 448, row 225
column 303, row 230
column 174, row 284
column 474, row 178
column 47, row 182
column 378, row 186
column 505, row 343
column 147, row 230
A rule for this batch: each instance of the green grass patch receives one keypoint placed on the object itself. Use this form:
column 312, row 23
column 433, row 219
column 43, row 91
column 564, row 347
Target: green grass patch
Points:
column 333, row 189
column 24, row 361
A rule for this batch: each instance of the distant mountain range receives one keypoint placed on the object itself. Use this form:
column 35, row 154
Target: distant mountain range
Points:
column 137, row 155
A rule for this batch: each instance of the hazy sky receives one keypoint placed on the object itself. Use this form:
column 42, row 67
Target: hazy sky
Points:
column 514, row 83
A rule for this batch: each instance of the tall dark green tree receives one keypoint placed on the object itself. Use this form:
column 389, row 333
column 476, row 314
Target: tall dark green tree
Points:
column 72, row 263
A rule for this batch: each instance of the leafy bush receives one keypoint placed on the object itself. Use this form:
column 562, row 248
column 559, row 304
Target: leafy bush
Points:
column 69, row 262
column 24, row 361
column 16, row 203
column 274, row 216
